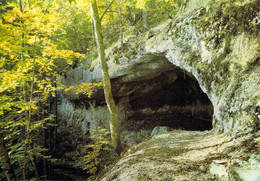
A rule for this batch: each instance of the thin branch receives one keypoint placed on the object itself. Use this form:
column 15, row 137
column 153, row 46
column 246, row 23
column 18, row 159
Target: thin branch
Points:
column 107, row 9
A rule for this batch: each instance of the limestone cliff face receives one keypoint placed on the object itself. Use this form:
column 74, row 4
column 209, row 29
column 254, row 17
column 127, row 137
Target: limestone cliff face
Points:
column 214, row 47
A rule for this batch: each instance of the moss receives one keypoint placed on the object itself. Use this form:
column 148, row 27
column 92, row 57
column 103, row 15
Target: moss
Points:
column 245, row 50
column 246, row 120
column 226, row 18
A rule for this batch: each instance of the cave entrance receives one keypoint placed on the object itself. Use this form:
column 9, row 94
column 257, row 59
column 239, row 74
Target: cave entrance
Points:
column 176, row 101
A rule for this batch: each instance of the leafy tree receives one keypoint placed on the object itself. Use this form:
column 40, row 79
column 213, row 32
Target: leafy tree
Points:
column 30, row 64
column 76, row 31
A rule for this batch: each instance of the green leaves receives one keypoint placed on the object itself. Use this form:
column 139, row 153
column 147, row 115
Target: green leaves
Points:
column 70, row 1
column 95, row 157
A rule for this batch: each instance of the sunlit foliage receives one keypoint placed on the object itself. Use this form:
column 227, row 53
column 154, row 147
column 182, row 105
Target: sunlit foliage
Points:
column 95, row 157
column 30, row 64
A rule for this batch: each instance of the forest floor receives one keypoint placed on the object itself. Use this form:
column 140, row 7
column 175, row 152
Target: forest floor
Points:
column 183, row 155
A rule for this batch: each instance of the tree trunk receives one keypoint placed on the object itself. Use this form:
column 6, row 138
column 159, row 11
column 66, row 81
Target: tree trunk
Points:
column 93, row 35
column 116, row 143
column 145, row 21
column 2, row 2
column 20, row 5
column 5, row 160
column 29, row 127
column 121, row 29
column 44, row 143
column 56, row 114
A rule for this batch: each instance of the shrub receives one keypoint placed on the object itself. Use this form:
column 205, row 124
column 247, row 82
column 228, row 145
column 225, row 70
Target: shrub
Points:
column 100, row 151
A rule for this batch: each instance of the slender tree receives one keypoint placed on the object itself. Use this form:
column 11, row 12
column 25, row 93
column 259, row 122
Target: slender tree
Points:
column 145, row 19
column 116, row 143
column 20, row 5
column 28, row 139
column 121, row 29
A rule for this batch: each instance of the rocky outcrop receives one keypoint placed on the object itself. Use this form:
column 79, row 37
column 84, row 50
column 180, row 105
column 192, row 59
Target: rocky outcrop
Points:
column 202, row 65
column 159, row 130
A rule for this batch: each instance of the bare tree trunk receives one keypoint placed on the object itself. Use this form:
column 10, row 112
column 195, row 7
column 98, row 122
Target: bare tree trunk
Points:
column 29, row 126
column 44, row 143
column 121, row 29
column 145, row 20
column 5, row 160
column 93, row 35
column 56, row 115
column 116, row 143
column 20, row 5
column 2, row 2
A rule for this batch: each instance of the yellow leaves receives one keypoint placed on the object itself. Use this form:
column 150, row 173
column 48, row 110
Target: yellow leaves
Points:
column 24, row 67
column 141, row 4
column 48, row 23
column 171, row 2
column 85, row 88
column 114, row 68
column 101, row 142
column 5, row 103
column 52, row 51
column 45, row 88
column 27, row 107
column 6, row 48
column 34, row 19
column 125, row 3
column 10, row 80
column 19, row 31
column 82, row 4
column 13, row 15
column 10, row 18
column 16, row 11
column 45, row 64
column 32, row 39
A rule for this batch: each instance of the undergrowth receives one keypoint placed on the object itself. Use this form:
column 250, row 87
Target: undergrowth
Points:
column 99, row 151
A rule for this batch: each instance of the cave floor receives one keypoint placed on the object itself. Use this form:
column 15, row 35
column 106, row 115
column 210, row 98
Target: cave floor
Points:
column 172, row 121
column 182, row 155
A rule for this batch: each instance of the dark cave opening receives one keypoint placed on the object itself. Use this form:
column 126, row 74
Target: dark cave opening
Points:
column 178, row 103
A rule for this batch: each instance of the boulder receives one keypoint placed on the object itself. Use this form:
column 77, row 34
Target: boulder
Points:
column 249, row 170
column 159, row 129
column 218, row 168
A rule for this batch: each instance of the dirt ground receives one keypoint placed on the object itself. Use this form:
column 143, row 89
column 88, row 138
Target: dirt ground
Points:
column 182, row 155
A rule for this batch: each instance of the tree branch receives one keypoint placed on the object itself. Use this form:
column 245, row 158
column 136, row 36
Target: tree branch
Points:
column 107, row 9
